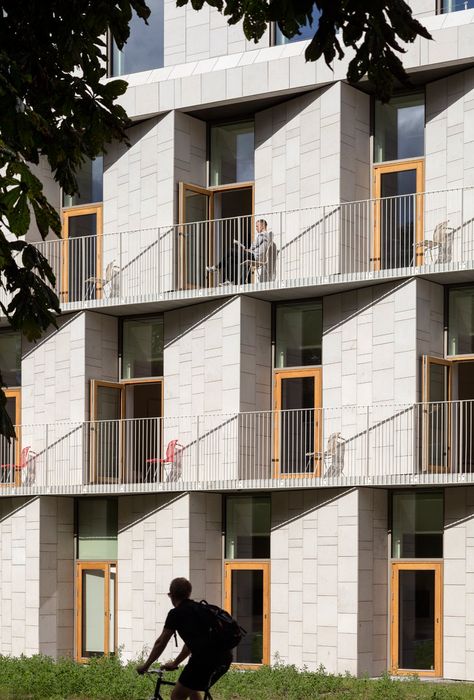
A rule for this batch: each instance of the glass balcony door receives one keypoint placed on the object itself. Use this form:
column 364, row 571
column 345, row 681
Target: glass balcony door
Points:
column 437, row 414
column 81, row 263
column 194, row 245
column 297, row 403
column 107, row 409
column 247, row 598
column 416, row 618
column 10, row 452
column 398, row 215
column 96, row 609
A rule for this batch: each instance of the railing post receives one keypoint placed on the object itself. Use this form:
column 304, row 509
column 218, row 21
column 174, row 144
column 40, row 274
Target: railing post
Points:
column 461, row 256
column 197, row 450
column 240, row 269
column 120, row 290
column 323, row 245
column 367, row 457
column 46, row 455
column 281, row 246
column 160, row 265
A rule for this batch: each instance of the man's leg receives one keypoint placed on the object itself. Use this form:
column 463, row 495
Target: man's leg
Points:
column 180, row 692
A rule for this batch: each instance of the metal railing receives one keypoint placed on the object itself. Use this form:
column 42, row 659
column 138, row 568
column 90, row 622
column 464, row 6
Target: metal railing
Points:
column 373, row 237
column 380, row 444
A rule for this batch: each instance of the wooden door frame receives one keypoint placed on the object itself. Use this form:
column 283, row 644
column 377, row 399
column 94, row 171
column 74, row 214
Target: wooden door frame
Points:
column 95, row 566
column 278, row 375
column 251, row 565
column 427, row 362
column 70, row 213
column 15, row 393
column 95, row 384
column 414, row 565
column 418, row 165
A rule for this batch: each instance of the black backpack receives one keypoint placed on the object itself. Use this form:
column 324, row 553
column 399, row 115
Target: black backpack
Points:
column 223, row 631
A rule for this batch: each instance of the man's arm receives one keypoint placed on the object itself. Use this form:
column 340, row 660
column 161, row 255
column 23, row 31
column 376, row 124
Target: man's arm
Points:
column 171, row 665
column 158, row 648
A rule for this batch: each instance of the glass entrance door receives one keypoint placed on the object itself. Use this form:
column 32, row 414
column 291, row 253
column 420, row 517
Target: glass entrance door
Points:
column 82, row 254
column 297, row 422
column 247, row 597
column 96, row 587
column 416, row 618
column 107, row 410
column 398, row 215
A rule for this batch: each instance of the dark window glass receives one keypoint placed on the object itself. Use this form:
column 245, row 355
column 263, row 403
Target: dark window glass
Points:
column 97, row 528
column 142, row 350
column 89, row 182
column 417, row 525
column 456, row 5
column 461, row 321
column 416, row 613
column 247, row 532
column 298, row 334
column 144, row 49
column 306, row 32
column 10, row 358
column 400, row 128
column 232, row 153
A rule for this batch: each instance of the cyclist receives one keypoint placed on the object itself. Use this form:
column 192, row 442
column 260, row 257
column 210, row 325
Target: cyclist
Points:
column 207, row 663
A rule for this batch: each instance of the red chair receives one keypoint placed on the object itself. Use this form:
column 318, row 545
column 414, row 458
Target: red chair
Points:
column 15, row 469
column 170, row 466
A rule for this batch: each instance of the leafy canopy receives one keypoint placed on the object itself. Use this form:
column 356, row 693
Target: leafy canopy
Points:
column 374, row 29
column 54, row 105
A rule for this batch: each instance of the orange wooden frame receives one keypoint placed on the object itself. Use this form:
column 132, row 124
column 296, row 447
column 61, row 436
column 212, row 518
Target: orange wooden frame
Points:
column 316, row 373
column 16, row 395
column 230, row 566
column 437, row 567
column 399, row 166
column 67, row 214
column 427, row 362
column 104, row 566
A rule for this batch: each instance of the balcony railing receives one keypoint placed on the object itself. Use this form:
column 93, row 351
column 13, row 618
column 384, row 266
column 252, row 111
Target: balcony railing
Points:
column 353, row 240
column 378, row 445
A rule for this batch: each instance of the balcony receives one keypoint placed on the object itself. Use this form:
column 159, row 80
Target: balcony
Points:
column 380, row 445
column 343, row 245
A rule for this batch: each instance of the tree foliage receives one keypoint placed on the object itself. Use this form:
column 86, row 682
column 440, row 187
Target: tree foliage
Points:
column 375, row 30
column 54, row 105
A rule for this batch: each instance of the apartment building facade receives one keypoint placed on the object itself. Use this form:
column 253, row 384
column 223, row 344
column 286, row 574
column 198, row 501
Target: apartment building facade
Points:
column 294, row 433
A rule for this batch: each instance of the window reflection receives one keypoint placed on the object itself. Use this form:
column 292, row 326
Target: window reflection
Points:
column 89, row 182
column 456, row 5
column 247, row 532
column 417, row 525
column 306, row 32
column 399, row 128
column 142, row 348
column 461, row 321
column 232, row 153
column 10, row 358
column 144, row 48
column 298, row 334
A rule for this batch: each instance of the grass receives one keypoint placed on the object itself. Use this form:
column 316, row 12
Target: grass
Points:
column 41, row 678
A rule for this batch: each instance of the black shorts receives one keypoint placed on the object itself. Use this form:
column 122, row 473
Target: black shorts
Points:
column 203, row 670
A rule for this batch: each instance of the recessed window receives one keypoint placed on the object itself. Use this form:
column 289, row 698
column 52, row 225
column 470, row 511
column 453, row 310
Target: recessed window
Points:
column 400, row 128
column 232, row 153
column 144, row 49
column 456, row 5
column 298, row 334
column 97, row 528
column 417, row 525
column 306, row 32
column 10, row 358
column 89, row 182
column 247, row 527
column 461, row 321
column 142, row 348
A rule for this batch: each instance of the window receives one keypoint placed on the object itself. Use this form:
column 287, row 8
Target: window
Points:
column 144, row 49
column 455, row 5
column 10, row 358
column 97, row 528
column 417, row 525
column 298, row 334
column 89, row 181
column 399, row 128
column 142, row 348
column 461, row 321
column 306, row 32
column 232, row 153
column 247, row 531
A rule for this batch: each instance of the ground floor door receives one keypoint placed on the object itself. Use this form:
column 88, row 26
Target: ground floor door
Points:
column 247, row 598
column 416, row 618
column 297, row 403
column 96, row 609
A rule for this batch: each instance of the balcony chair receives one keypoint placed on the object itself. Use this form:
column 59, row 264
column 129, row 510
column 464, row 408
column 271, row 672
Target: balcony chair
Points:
column 169, row 468
column 107, row 284
column 25, row 470
column 265, row 268
column 332, row 457
column 441, row 243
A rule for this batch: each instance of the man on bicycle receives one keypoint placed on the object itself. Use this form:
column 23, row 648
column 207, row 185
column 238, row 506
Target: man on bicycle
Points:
column 206, row 664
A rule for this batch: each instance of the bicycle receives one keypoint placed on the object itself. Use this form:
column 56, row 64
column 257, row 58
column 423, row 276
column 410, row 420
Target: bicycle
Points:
column 160, row 681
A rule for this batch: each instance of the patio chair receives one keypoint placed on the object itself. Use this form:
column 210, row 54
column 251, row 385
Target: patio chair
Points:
column 265, row 268
column 170, row 467
column 332, row 457
column 441, row 243
column 24, row 471
column 107, row 284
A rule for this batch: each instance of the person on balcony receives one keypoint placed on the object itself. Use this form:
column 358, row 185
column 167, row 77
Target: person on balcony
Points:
column 236, row 265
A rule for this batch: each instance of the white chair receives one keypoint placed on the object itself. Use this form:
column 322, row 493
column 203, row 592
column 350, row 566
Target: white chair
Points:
column 107, row 284
column 332, row 457
column 441, row 243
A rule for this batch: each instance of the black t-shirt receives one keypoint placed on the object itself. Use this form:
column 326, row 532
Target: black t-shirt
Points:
column 188, row 621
